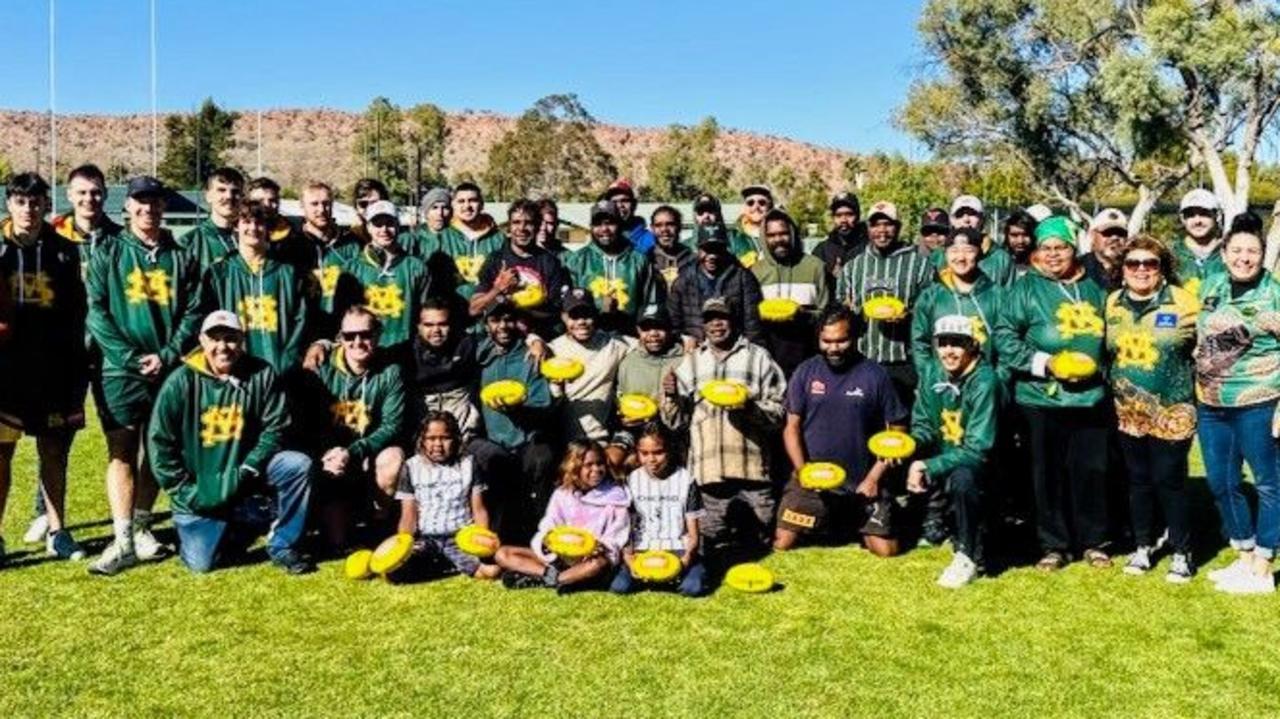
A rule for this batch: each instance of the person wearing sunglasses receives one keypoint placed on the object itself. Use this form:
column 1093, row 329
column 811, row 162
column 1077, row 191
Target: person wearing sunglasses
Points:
column 746, row 236
column 1238, row 385
column 1108, row 235
column 357, row 417
column 1151, row 332
column 1199, row 251
column 215, row 237
column 1056, row 309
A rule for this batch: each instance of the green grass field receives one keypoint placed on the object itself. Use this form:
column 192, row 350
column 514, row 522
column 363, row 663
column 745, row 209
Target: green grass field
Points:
column 847, row 635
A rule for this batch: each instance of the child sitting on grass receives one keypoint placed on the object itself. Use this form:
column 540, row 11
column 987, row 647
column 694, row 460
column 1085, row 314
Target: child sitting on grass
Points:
column 666, row 506
column 440, row 493
column 587, row 498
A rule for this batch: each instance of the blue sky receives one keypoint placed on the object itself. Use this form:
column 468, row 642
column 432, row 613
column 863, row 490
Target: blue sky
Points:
column 824, row 72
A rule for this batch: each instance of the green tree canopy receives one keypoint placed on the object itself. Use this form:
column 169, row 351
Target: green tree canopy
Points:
column 195, row 145
column 687, row 165
column 552, row 151
column 425, row 141
column 380, row 147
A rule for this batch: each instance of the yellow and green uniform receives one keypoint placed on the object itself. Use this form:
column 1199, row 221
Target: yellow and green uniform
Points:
column 271, row 303
column 205, row 429
column 142, row 300
column 322, row 267
column 209, row 243
column 393, row 287
column 1193, row 270
column 1152, row 372
column 953, row 420
column 745, row 242
column 422, row 241
column 627, row 276
column 468, row 251
column 981, row 304
column 1041, row 316
column 1237, row 350
column 363, row 414
column 996, row 262
column 88, row 243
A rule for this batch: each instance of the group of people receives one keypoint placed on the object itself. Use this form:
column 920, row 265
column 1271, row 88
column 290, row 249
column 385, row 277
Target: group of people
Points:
column 331, row 385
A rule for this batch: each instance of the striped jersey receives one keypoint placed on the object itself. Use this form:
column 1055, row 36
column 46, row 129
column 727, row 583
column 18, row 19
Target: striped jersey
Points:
column 442, row 491
column 903, row 272
column 660, row 507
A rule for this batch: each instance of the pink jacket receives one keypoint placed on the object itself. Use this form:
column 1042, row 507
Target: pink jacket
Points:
column 603, row 511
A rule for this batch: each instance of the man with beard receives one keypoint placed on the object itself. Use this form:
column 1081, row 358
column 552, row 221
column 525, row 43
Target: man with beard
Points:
column 523, row 269
column 715, row 273
column 668, row 253
column 786, row 273
column 215, row 237
column 619, row 277
column 548, row 231
column 1199, row 252
column 1108, row 235
column 848, row 236
column 631, row 225
column 319, row 254
column 1020, row 243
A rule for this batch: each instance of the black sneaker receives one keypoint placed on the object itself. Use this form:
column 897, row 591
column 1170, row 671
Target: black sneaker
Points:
column 293, row 563
column 516, row 580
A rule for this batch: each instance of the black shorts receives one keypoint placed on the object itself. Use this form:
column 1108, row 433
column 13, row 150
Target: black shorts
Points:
column 124, row 401
column 834, row 514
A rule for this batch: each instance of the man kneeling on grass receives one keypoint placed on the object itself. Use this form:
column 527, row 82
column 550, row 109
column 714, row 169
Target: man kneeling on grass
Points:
column 954, row 423
column 215, row 446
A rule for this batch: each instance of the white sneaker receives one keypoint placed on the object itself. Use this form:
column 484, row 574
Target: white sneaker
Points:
column 960, row 572
column 114, row 560
column 37, row 530
column 1180, row 570
column 1139, row 562
column 1222, row 574
column 1248, row 583
column 146, row 547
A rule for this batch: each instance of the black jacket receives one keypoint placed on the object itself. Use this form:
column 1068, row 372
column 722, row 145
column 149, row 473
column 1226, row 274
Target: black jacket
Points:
column 736, row 284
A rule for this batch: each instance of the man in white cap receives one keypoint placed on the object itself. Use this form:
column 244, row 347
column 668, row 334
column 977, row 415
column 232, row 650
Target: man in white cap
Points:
column 967, row 211
column 1199, row 253
column 233, row 403
column 1108, row 234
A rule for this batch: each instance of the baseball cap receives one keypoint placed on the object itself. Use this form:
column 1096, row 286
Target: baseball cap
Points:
column 757, row 189
column 654, row 316
column 1199, row 198
column 846, row 199
column 712, row 234
column 221, row 318
column 144, row 185
column 621, row 186
column 380, row 208
column 603, row 208
column 503, row 305
column 935, row 218
column 1109, row 219
column 716, row 306
column 705, row 202
column 953, row 326
column 883, row 208
column 966, row 202
column 578, row 300
column 1039, row 212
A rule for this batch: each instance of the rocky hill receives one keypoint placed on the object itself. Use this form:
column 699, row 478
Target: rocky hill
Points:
column 298, row 145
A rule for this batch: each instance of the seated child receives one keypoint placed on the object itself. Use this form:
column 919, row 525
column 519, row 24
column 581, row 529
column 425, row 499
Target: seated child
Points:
column 587, row 498
column 666, row 506
column 439, row 494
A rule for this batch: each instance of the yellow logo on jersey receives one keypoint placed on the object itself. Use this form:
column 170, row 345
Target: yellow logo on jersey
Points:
column 328, row 277
column 469, row 267
column 384, row 300
column 1136, row 349
column 952, row 431
column 979, row 330
column 351, row 414
column 150, row 286
column 259, row 312
column 221, row 424
column 33, row 288
column 1078, row 318
column 1193, row 286
column 603, row 287
column 749, row 258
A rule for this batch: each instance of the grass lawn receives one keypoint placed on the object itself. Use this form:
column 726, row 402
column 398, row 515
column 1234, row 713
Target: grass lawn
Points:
column 848, row 635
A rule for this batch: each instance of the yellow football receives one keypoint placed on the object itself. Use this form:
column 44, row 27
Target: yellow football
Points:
column 821, row 475
column 655, row 565
column 570, row 542
column 476, row 541
column 637, row 407
column 1071, row 365
column 750, row 577
column 529, row 297
column 357, row 565
column 891, row 444
column 726, row 393
column 503, row 393
column 391, row 554
column 884, row 308
column 562, row 369
column 778, row 309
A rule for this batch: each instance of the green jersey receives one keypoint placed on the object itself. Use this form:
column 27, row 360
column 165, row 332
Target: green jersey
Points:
column 209, row 243
column 1152, row 373
column 271, row 303
column 953, row 420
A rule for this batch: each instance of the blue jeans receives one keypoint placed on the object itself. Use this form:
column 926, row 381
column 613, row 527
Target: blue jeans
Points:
column 1227, row 435
column 692, row 584
column 200, row 539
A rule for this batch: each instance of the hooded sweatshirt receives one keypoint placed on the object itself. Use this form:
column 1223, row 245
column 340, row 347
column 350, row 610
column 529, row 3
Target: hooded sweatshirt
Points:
column 667, row 263
column 205, row 430
column 604, row 511
column 362, row 413
column 271, row 303
column 468, row 249
column 530, row 421
column 836, row 251
column 321, row 266
column 1042, row 316
column 953, row 420
column 393, row 286
column 1194, row 269
column 745, row 242
column 626, row 275
column 209, row 243
column 142, row 300
column 801, row 278
column 641, row 372
column 981, row 304
column 88, row 243
column 588, row 408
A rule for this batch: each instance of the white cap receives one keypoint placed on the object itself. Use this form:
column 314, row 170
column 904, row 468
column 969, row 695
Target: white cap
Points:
column 1040, row 212
column 956, row 325
column 966, row 202
column 1109, row 218
column 221, row 318
column 1199, row 198
column 883, row 207
column 381, row 207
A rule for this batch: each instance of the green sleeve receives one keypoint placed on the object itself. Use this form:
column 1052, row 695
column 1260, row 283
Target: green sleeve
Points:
column 921, row 331
column 164, row 443
column 979, row 418
column 1010, row 331
column 275, row 422
column 101, row 324
column 297, row 342
column 390, row 420
column 187, row 324
column 923, row 417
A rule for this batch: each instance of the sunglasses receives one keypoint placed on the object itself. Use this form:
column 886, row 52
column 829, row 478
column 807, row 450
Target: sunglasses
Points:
column 757, row 203
column 358, row 335
column 1146, row 263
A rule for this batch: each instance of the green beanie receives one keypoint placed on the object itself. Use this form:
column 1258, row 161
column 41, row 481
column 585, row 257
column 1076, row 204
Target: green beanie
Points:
column 1056, row 228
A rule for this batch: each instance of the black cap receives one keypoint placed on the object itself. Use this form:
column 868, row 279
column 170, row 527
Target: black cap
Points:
column 655, row 316
column 578, row 300
column 750, row 190
column 604, row 208
column 705, row 202
column 712, row 234
column 935, row 218
column 846, row 199
column 716, row 306
column 503, row 305
column 144, row 185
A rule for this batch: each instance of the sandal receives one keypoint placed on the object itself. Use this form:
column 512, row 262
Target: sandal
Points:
column 1097, row 558
column 1051, row 562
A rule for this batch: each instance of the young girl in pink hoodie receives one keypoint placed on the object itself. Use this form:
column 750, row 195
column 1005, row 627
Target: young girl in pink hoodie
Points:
column 587, row 498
